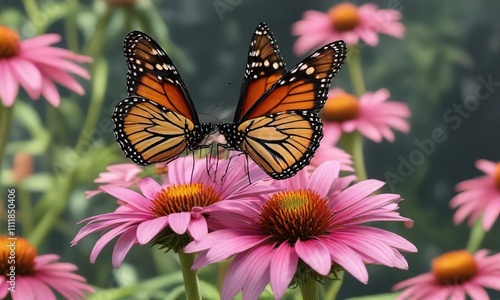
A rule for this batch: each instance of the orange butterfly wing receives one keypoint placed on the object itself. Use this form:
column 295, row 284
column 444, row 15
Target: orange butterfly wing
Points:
column 264, row 68
column 157, row 122
column 280, row 129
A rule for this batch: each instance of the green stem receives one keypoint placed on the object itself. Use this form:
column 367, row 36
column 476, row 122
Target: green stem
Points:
column 354, row 146
column 25, row 209
column 222, row 271
column 31, row 9
column 70, row 28
column 99, row 83
column 5, row 122
column 476, row 236
column 96, row 44
column 309, row 288
column 191, row 285
column 334, row 289
column 355, row 71
column 49, row 219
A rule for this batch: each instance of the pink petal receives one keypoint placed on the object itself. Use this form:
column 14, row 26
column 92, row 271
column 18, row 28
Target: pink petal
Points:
column 322, row 178
column 147, row 230
column 198, row 228
column 488, row 167
column 248, row 272
column 283, row 267
column 348, row 259
column 149, row 187
column 123, row 245
column 8, row 84
column 179, row 222
column 28, row 75
column 40, row 41
column 130, row 197
column 314, row 254
column 49, row 91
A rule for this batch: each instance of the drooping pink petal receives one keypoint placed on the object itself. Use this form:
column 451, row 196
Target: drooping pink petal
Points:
column 28, row 76
column 147, row 230
column 179, row 222
column 314, row 254
column 123, row 245
column 8, row 84
column 283, row 267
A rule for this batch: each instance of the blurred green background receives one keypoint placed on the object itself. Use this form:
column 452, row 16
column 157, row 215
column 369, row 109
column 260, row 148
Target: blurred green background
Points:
column 448, row 46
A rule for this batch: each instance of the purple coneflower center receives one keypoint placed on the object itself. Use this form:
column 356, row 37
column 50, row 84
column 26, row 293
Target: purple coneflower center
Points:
column 497, row 175
column 292, row 215
column 9, row 42
column 18, row 250
column 454, row 267
column 344, row 16
column 340, row 108
column 183, row 197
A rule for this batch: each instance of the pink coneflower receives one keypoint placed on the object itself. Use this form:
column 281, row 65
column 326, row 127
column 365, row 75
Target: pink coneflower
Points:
column 121, row 175
column 174, row 214
column 35, row 66
column 313, row 226
column 372, row 115
column 328, row 151
column 479, row 196
column 347, row 22
column 36, row 277
column 455, row 275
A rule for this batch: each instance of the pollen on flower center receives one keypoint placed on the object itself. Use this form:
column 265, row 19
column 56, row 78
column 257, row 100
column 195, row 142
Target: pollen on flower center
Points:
column 183, row 197
column 20, row 250
column 344, row 16
column 497, row 175
column 9, row 42
column 292, row 215
column 454, row 267
column 340, row 108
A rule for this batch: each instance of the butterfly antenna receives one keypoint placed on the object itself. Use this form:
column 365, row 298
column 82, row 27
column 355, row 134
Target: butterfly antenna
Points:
column 192, row 168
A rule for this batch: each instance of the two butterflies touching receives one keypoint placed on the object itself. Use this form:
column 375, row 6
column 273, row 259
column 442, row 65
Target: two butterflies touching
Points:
column 276, row 122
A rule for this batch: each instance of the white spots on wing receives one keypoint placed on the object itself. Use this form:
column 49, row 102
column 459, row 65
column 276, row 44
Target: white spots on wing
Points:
column 266, row 63
column 276, row 65
column 310, row 70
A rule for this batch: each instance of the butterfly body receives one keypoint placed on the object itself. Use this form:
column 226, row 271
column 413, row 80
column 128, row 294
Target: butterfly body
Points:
column 276, row 121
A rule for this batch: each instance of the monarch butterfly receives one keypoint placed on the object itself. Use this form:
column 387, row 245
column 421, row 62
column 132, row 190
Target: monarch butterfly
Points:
column 276, row 121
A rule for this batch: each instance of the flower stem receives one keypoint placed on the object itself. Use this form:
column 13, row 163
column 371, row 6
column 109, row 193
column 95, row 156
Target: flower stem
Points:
column 354, row 145
column 309, row 288
column 26, row 209
column 476, row 236
column 31, row 9
column 61, row 193
column 355, row 71
column 191, row 284
column 5, row 122
column 221, row 273
column 99, row 83
column 334, row 288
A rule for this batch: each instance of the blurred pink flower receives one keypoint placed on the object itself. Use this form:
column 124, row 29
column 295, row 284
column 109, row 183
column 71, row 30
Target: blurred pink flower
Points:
column 347, row 22
column 37, row 277
column 35, row 66
column 479, row 196
column 455, row 275
column 177, row 208
column 120, row 175
column 328, row 151
column 372, row 115
column 315, row 220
